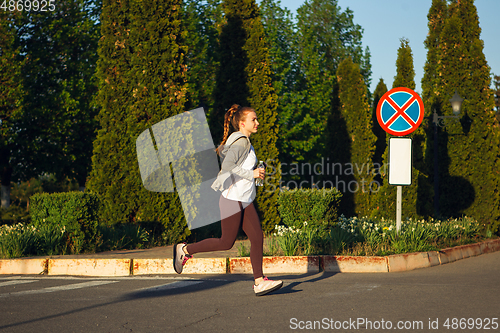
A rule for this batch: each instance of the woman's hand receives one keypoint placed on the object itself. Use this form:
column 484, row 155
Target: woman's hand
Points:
column 259, row 173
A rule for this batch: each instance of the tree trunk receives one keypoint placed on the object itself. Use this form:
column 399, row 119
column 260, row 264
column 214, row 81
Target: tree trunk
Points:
column 5, row 196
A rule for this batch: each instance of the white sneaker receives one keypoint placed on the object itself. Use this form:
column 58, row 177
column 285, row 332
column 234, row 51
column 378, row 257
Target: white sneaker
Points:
column 267, row 286
column 180, row 257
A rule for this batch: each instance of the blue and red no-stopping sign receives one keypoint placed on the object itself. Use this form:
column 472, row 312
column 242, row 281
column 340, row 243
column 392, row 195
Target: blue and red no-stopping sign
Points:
column 400, row 111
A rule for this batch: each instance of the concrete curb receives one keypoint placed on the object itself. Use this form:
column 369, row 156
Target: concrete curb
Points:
column 271, row 265
column 89, row 267
column 408, row 261
column 193, row 266
column 23, row 266
column 354, row 264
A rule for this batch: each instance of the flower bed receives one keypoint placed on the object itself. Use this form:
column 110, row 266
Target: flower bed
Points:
column 29, row 240
column 370, row 237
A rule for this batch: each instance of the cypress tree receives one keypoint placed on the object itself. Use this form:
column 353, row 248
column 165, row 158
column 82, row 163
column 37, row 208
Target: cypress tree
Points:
column 141, row 74
column 324, row 37
column 202, row 21
column 244, row 77
column 471, row 149
column 405, row 74
column 356, row 112
column 10, row 96
column 436, row 18
column 380, row 144
column 231, row 80
column 497, row 96
column 279, row 28
column 59, row 59
column 496, row 81
column 262, row 97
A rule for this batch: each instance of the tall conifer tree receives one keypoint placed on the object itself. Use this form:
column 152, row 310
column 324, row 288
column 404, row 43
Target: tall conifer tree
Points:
column 496, row 81
column 469, row 149
column 59, row 60
column 231, row 79
column 356, row 112
column 471, row 152
column 10, row 96
column 141, row 75
column 202, row 21
column 262, row 97
column 244, row 77
column 279, row 29
column 325, row 36
column 405, row 74
column 381, row 144
column 436, row 18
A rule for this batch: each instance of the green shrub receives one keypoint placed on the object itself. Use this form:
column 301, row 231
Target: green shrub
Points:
column 317, row 207
column 75, row 211
column 14, row 214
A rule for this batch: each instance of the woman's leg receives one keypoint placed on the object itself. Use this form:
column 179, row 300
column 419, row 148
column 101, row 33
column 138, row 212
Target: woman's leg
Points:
column 229, row 226
column 253, row 229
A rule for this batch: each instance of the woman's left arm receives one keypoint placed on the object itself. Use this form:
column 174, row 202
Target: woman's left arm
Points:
column 229, row 164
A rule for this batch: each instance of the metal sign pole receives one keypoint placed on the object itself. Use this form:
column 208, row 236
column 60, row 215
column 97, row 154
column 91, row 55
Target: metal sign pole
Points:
column 399, row 196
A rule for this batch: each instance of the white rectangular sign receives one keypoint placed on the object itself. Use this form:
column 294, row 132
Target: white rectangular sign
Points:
column 400, row 156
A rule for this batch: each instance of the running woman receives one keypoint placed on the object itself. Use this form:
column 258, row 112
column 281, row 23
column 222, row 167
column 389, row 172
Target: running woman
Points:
column 236, row 180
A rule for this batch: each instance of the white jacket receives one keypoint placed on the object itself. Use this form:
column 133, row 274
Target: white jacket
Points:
column 233, row 154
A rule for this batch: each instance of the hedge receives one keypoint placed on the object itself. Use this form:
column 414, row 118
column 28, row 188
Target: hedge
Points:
column 76, row 211
column 317, row 207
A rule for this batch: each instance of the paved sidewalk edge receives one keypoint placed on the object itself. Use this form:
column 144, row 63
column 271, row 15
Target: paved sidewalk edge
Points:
column 242, row 265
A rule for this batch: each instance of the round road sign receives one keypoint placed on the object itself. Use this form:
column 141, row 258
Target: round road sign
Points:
column 400, row 111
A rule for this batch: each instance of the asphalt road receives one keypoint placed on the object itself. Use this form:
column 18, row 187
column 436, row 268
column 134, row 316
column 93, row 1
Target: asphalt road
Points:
column 425, row 300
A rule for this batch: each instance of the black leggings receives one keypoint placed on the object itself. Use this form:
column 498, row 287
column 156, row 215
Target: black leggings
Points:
column 249, row 220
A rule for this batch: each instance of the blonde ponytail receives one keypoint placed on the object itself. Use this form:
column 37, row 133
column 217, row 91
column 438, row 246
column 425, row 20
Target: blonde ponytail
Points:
column 227, row 123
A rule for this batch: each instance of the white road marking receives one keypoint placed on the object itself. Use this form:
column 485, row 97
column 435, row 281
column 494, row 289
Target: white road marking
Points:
column 59, row 288
column 173, row 285
column 10, row 283
column 129, row 277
